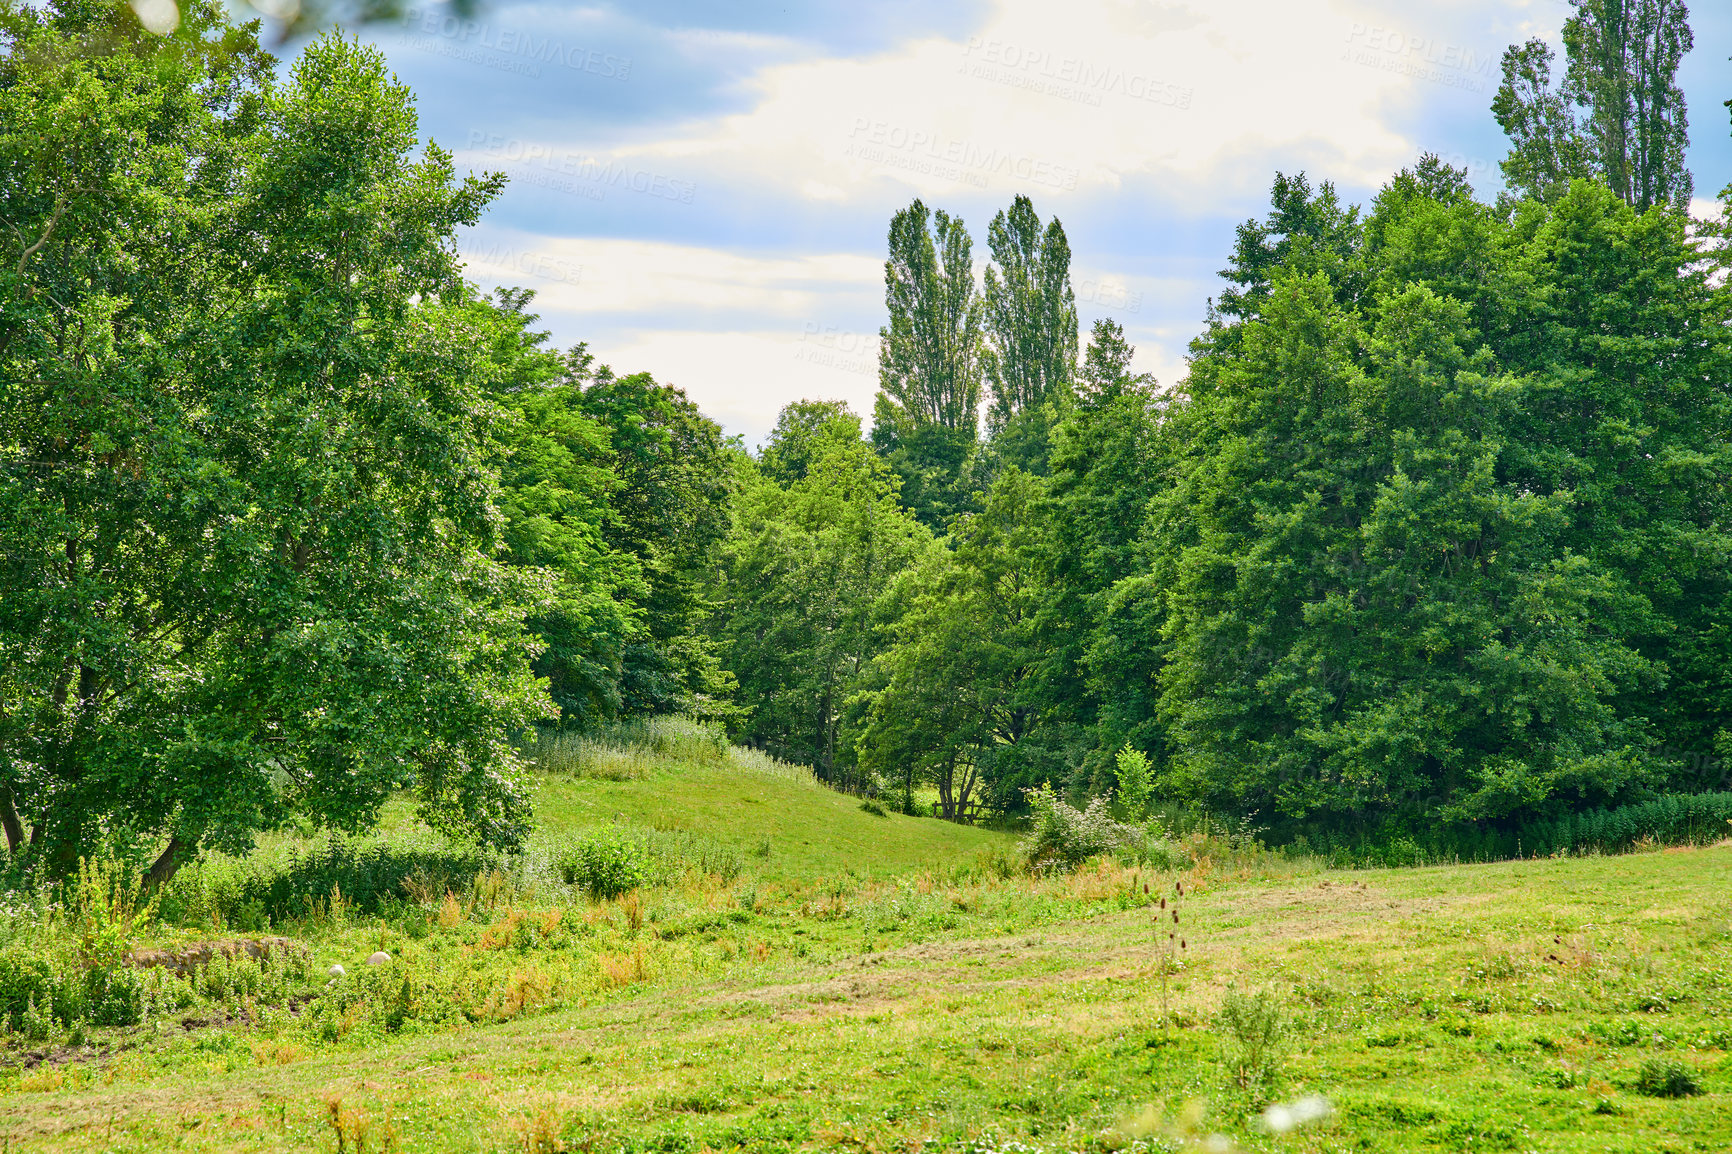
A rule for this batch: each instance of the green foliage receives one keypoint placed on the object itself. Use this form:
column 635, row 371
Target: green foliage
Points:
column 607, row 861
column 327, row 879
column 106, row 909
column 244, row 467
column 1254, row 1033
column 1666, row 1078
column 926, row 415
column 952, row 703
column 1134, row 783
column 1063, row 837
column 818, row 538
column 1631, row 130
column 1371, row 591
column 1030, row 321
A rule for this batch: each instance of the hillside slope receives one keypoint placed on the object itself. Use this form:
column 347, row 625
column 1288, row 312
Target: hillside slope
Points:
column 809, row 831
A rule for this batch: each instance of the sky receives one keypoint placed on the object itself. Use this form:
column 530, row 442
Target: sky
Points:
column 702, row 190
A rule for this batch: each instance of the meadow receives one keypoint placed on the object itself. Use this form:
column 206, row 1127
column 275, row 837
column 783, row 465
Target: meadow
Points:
column 704, row 949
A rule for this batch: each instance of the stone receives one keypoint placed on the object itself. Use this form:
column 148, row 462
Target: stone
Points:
column 336, row 972
column 381, row 958
column 189, row 959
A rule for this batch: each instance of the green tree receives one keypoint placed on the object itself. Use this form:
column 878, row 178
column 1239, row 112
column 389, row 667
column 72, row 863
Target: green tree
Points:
column 818, row 536
column 1547, row 145
column 926, row 418
column 557, row 488
column 1107, row 462
column 669, row 509
column 1633, row 129
column 1031, row 333
column 952, row 704
column 245, row 450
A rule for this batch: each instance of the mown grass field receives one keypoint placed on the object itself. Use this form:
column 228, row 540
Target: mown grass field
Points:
column 879, row 983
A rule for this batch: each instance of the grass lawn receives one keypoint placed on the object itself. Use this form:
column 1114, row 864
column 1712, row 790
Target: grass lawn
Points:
column 872, row 985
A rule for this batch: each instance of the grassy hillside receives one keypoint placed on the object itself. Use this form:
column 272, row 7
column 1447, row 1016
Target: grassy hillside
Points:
column 791, row 830
column 879, row 984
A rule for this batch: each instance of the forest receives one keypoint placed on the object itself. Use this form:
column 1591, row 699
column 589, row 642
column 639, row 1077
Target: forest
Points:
column 1431, row 546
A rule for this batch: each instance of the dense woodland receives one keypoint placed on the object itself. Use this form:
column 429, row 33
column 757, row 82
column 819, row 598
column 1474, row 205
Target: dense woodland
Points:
column 1436, row 533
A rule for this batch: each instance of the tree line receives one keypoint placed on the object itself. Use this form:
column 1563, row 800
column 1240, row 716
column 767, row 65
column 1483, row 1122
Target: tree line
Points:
column 294, row 519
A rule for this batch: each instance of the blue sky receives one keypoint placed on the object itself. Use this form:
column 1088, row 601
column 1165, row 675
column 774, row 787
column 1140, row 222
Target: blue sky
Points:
column 702, row 190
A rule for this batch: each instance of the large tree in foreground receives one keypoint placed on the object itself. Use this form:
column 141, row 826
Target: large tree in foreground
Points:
column 246, row 502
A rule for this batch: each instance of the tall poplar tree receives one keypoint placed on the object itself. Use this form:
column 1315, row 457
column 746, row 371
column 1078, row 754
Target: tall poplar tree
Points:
column 926, row 419
column 1633, row 128
column 1031, row 330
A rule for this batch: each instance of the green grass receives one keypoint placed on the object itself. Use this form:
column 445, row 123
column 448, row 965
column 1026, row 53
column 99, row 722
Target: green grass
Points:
column 809, row 831
column 874, row 984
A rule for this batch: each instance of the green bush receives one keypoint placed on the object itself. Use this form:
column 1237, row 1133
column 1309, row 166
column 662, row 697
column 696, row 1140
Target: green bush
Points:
column 369, row 877
column 26, row 979
column 113, row 997
column 1254, row 1033
column 607, row 861
column 1063, row 836
column 1666, row 1078
column 1135, row 781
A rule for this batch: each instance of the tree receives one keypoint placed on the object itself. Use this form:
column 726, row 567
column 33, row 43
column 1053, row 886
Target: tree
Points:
column 1031, row 330
column 669, row 509
column 245, row 450
column 1623, row 58
column 557, row 488
column 1547, row 146
column 1303, row 232
column 926, row 418
column 1107, row 459
column 1364, row 619
column 952, row 702
column 818, row 537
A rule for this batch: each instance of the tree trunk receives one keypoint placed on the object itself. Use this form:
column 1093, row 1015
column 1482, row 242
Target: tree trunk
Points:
column 9, row 819
column 164, row 866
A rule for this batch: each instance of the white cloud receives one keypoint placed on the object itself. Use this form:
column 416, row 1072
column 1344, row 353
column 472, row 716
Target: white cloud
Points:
column 1076, row 97
column 1077, row 104
column 603, row 275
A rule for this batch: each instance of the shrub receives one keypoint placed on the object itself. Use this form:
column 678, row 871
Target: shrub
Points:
column 1666, row 1078
column 27, row 980
column 607, row 861
column 1064, row 836
column 106, row 909
column 873, row 808
column 1253, row 1034
column 1134, row 782
column 370, row 879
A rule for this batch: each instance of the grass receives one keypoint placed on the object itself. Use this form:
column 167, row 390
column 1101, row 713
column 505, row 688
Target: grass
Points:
column 878, row 984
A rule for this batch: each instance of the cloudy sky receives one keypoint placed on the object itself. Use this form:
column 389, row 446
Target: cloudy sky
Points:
column 702, row 189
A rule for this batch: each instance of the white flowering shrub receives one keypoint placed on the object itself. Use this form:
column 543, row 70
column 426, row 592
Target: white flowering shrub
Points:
column 1064, row 837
